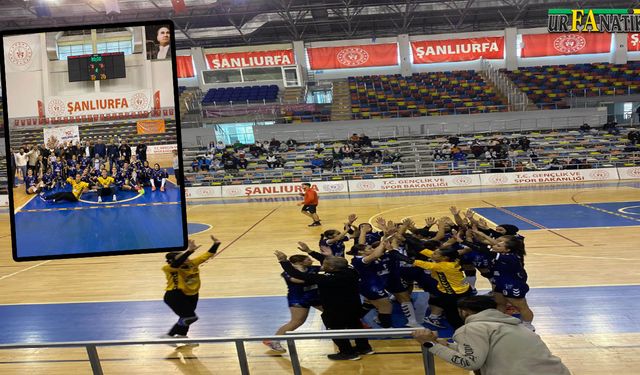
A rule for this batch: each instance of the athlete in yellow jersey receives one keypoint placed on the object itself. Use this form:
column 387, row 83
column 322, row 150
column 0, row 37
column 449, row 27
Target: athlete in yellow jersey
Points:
column 446, row 270
column 106, row 186
column 183, row 285
column 77, row 188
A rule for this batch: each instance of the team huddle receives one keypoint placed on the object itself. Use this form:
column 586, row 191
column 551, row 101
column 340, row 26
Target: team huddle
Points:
column 442, row 261
column 53, row 170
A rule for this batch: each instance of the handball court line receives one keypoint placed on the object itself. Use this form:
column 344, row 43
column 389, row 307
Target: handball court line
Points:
column 246, row 231
column 573, row 198
column 23, row 270
column 529, row 221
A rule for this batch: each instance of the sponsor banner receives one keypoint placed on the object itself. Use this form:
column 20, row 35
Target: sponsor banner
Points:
column 629, row 173
column 150, row 126
column 4, row 201
column 54, row 137
column 450, row 50
column 253, row 59
column 98, row 103
column 203, row 192
column 22, row 53
column 414, row 183
column 633, row 42
column 549, row 177
column 282, row 189
column 161, row 149
column 353, row 56
column 535, row 45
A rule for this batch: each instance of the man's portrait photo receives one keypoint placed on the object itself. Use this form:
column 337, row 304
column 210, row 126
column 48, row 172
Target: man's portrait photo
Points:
column 158, row 42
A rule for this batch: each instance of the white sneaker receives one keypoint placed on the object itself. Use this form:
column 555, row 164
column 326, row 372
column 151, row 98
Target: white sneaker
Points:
column 114, row 198
column 275, row 346
column 99, row 199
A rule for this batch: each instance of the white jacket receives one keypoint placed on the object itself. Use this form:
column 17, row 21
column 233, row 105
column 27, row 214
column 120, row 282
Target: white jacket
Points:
column 498, row 344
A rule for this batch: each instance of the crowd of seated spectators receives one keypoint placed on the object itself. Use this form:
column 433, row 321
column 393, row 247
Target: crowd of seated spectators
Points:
column 235, row 157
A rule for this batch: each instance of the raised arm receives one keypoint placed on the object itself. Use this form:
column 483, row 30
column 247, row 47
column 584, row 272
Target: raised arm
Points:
column 377, row 253
column 293, row 272
column 314, row 254
column 180, row 259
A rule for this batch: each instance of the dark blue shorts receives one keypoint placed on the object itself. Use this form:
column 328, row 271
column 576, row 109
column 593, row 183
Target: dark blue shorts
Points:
column 395, row 284
column 373, row 292
column 511, row 289
column 305, row 301
column 309, row 208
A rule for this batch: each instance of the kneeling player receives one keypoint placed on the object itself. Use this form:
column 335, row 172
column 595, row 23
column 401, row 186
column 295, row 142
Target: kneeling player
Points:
column 158, row 178
column 106, row 186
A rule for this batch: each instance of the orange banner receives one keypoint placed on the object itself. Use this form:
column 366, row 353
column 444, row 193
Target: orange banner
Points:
column 252, row 59
column 633, row 42
column 535, row 45
column 150, row 126
column 450, row 50
column 353, row 56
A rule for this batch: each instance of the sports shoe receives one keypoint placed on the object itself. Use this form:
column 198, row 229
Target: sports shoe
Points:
column 99, row 199
column 368, row 351
column 315, row 224
column 114, row 198
column 344, row 357
column 153, row 188
column 275, row 346
column 141, row 191
column 161, row 188
column 414, row 325
column 191, row 344
column 436, row 322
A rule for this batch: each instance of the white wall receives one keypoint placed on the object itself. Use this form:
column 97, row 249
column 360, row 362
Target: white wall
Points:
column 23, row 92
column 162, row 81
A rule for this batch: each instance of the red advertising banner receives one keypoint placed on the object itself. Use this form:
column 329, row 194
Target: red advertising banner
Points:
column 451, row 50
column 353, row 56
column 253, row 59
column 185, row 67
column 535, row 45
column 633, row 42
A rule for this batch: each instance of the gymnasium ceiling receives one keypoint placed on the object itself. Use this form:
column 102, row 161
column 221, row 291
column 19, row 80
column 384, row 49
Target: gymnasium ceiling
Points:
column 211, row 23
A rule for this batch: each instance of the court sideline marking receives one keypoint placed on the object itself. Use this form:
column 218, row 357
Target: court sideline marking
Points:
column 23, row 270
column 537, row 225
column 573, row 198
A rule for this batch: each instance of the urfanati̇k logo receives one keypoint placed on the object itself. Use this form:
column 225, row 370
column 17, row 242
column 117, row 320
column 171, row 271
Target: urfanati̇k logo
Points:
column 594, row 20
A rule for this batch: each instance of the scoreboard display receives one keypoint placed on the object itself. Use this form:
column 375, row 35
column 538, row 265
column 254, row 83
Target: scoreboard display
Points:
column 97, row 67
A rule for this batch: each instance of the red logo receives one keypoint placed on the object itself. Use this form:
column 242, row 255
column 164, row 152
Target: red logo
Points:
column 498, row 179
column 570, row 43
column 599, row 175
column 205, row 192
column 462, row 180
column 333, row 188
column 20, row 54
column 139, row 101
column 353, row 56
column 56, row 108
column 233, row 190
column 366, row 185
column 633, row 172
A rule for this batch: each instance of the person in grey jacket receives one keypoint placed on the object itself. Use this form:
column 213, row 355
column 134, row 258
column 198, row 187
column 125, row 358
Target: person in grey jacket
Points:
column 493, row 342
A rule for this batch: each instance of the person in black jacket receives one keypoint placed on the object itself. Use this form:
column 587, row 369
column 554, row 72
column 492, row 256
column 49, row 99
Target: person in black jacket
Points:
column 125, row 150
column 113, row 154
column 340, row 299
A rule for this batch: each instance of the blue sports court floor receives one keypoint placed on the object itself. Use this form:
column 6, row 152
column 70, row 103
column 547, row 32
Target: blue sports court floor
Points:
column 135, row 221
column 561, row 311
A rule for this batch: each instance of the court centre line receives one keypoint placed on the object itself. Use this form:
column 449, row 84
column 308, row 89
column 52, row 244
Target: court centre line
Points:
column 23, row 270
column 529, row 221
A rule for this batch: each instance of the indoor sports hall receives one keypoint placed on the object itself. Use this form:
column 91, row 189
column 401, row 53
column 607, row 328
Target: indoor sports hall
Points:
column 389, row 110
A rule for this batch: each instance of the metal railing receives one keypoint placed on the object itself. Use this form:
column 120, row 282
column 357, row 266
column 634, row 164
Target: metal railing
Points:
column 291, row 338
column 517, row 100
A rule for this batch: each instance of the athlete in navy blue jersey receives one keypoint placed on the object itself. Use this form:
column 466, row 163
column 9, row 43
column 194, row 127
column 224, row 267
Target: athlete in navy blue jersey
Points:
column 374, row 272
column 301, row 296
column 366, row 234
column 144, row 176
column 334, row 239
column 509, row 277
column 49, row 180
column 159, row 177
column 31, row 183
